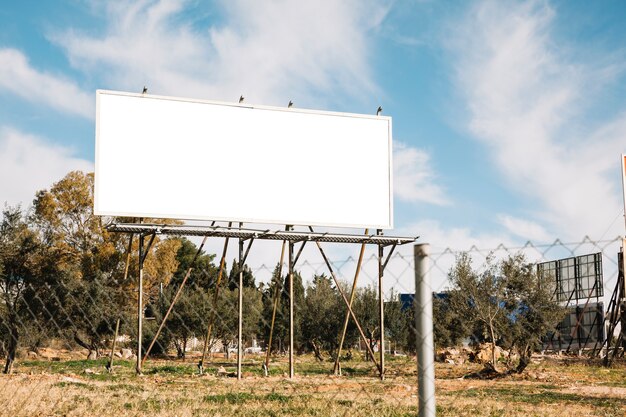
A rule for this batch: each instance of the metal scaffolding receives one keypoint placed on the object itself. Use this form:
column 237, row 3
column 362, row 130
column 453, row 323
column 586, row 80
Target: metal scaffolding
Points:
column 290, row 238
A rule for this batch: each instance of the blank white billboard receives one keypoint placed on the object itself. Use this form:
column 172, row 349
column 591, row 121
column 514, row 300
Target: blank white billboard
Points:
column 178, row 158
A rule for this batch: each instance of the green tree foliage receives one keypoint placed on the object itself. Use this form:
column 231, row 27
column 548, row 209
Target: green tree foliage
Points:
column 479, row 297
column 397, row 323
column 225, row 326
column 507, row 300
column 365, row 307
column 449, row 326
column 324, row 316
column 204, row 272
column 86, row 292
column 190, row 314
column 532, row 311
column 280, row 339
column 269, row 294
column 19, row 270
column 233, row 277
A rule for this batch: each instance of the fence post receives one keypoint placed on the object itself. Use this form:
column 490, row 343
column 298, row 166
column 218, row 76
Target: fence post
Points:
column 423, row 304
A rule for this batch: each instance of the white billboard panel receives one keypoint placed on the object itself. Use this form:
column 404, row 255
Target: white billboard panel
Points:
column 191, row 159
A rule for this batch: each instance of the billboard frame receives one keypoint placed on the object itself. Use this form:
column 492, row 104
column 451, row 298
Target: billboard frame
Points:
column 384, row 213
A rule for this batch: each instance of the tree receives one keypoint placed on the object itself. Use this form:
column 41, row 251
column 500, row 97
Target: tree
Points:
column 508, row 299
column 397, row 321
column 19, row 247
column 449, row 326
column 533, row 312
column 203, row 274
column 226, row 324
column 480, row 297
column 269, row 293
column 365, row 307
column 233, row 276
column 87, row 292
column 191, row 312
column 324, row 316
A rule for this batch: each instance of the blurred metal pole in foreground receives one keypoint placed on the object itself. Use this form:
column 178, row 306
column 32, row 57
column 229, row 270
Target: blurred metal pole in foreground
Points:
column 423, row 303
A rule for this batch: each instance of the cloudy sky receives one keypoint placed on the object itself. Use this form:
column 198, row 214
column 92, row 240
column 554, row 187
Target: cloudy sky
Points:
column 509, row 117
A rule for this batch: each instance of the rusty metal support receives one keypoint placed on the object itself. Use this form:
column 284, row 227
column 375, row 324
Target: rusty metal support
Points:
column 336, row 369
column 345, row 300
column 381, row 308
column 207, row 338
column 240, row 308
column 140, row 305
column 579, row 319
column 128, row 252
column 291, row 266
column 171, row 307
column 277, row 292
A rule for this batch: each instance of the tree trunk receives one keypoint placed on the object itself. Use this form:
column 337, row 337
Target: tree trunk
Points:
column 524, row 360
column 493, row 347
column 316, row 351
column 179, row 349
column 184, row 349
column 83, row 344
column 8, row 368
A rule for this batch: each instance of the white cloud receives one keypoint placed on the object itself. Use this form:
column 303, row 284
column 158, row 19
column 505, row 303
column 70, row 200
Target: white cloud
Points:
column 524, row 94
column 526, row 229
column 29, row 164
column 21, row 79
column 414, row 178
column 268, row 51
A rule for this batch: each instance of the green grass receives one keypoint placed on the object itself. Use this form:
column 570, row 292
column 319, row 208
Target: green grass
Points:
column 536, row 395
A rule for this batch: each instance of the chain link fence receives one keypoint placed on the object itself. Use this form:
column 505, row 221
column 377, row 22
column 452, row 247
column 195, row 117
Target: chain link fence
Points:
column 70, row 342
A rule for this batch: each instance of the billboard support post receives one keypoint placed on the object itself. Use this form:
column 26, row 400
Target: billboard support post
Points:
column 240, row 309
column 143, row 252
column 207, row 338
column 173, row 302
column 345, row 300
column 336, row 367
column 139, row 305
column 277, row 292
column 381, row 308
column 289, row 236
column 291, row 266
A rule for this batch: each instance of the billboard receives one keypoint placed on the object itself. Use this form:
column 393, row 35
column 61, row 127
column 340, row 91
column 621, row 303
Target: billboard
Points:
column 180, row 158
column 575, row 278
column 582, row 327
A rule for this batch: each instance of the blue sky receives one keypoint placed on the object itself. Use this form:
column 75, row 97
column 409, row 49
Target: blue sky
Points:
column 509, row 117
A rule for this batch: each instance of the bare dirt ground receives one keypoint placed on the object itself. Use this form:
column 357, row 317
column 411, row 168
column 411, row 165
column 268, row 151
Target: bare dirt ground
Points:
column 66, row 387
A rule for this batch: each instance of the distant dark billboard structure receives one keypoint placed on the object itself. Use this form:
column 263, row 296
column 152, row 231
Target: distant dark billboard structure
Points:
column 578, row 285
column 576, row 278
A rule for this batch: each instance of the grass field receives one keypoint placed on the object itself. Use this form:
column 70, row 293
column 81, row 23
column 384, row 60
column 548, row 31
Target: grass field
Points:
column 551, row 386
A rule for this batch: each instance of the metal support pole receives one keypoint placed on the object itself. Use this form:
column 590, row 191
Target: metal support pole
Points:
column 424, row 332
column 176, row 296
column 336, row 369
column 277, row 292
column 345, row 300
column 240, row 309
column 207, row 338
column 128, row 252
column 140, row 305
column 381, row 310
column 291, row 369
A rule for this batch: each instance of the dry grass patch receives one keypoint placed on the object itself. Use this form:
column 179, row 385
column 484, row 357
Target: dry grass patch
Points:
column 172, row 388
